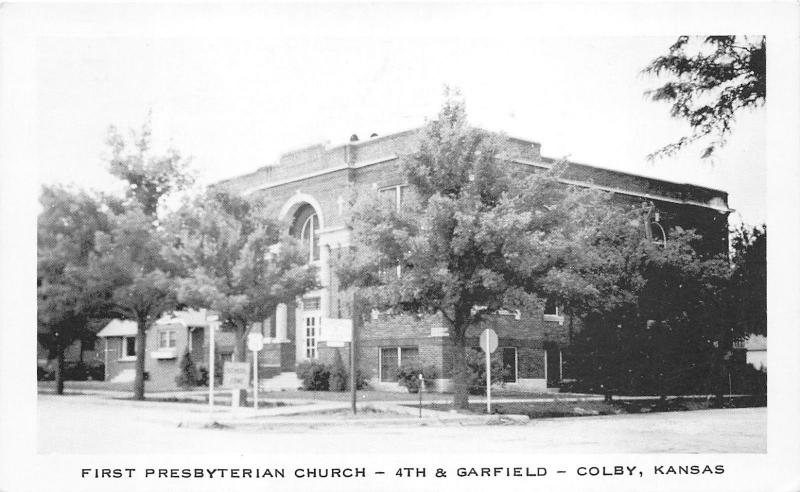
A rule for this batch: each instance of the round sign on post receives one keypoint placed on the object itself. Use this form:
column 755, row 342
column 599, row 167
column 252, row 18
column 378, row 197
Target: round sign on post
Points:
column 488, row 341
column 255, row 342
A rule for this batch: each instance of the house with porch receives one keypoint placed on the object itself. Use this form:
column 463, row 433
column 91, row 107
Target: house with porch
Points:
column 166, row 343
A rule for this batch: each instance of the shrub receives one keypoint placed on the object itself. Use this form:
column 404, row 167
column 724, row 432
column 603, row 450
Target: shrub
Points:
column 203, row 375
column 408, row 376
column 339, row 375
column 362, row 378
column 476, row 367
column 188, row 375
column 315, row 375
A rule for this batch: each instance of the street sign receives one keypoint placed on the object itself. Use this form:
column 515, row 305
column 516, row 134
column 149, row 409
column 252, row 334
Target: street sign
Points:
column 488, row 340
column 236, row 375
column 336, row 330
column 255, row 342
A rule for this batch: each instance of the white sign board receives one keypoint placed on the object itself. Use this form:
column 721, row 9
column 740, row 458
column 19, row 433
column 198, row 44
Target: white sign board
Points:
column 255, row 342
column 336, row 330
column 488, row 340
column 236, row 375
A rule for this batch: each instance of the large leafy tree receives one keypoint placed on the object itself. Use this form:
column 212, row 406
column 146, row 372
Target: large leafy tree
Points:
column 659, row 322
column 711, row 79
column 138, row 282
column 130, row 264
column 236, row 261
column 67, row 226
column 473, row 237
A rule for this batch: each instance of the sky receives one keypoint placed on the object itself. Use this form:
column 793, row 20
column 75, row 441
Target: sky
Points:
column 234, row 100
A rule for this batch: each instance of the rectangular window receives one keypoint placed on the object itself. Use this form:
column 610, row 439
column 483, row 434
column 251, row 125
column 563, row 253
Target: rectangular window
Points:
column 551, row 308
column 311, row 337
column 394, row 357
column 509, row 364
column 409, row 355
column 394, row 193
column 311, row 304
column 166, row 339
column 129, row 346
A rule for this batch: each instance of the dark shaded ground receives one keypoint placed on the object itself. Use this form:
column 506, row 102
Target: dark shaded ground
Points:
column 550, row 409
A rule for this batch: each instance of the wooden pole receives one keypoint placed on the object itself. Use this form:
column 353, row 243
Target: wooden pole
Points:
column 356, row 314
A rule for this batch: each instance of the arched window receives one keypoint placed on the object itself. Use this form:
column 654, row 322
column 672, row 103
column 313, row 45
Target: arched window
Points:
column 306, row 229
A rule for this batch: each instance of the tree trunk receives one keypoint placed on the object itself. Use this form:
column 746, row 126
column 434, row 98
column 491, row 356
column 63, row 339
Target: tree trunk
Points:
column 240, row 347
column 460, row 375
column 59, row 367
column 138, row 382
column 240, row 355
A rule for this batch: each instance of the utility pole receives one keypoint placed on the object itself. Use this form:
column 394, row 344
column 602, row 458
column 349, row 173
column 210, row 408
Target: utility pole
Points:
column 357, row 318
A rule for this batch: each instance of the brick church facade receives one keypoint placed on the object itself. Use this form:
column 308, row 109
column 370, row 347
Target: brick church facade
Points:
column 309, row 189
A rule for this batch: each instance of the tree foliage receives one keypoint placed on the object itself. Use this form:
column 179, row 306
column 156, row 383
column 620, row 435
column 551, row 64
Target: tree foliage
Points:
column 67, row 226
column 749, row 280
column 472, row 236
column 130, row 266
column 711, row 80
column 149, row 177
column 667, row 330
column 236, row 261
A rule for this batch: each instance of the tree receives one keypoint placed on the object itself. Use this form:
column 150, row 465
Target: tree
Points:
column 472, row 237
column 137, row 281
column 150, row 178
column 749, row 279
column 67, row 226
column 130, row 265
column 659, row 321
column 236, row 261
column 712, row 79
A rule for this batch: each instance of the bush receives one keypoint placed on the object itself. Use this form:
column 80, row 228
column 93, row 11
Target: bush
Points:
column 315, row 375
column 408, row 376
column 362, row 378
column 476, row 368
column 188, row 375
column 203, row 375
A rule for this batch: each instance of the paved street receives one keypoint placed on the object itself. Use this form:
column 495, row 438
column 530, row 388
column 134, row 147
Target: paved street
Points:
column 79, row 424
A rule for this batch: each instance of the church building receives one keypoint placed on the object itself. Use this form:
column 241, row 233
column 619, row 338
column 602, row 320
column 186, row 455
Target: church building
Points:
column 309, row 189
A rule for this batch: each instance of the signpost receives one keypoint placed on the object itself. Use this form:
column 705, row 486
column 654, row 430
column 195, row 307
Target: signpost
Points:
column 488, row 345
column 212, row 322
column 255, row 342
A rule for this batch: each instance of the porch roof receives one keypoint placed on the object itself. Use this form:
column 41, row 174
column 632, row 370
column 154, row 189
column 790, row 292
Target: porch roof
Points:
column 118, row 328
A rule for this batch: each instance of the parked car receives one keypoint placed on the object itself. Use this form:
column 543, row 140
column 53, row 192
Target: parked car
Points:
column 73, row 371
